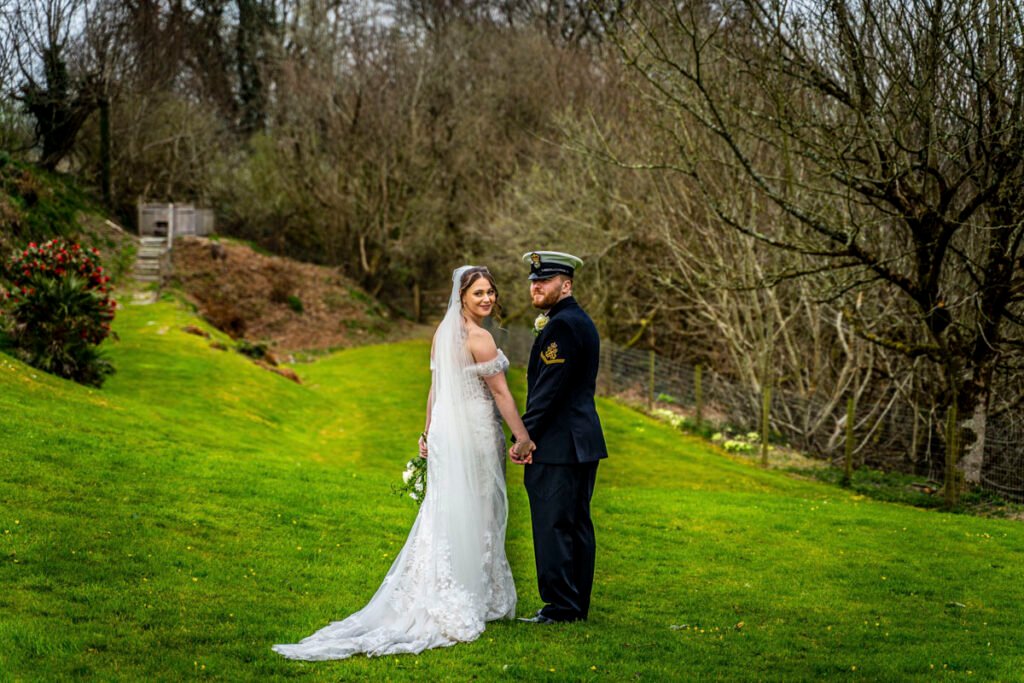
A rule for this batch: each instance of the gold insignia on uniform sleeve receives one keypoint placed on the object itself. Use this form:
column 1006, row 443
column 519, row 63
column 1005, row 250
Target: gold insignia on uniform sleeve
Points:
column 550, row 355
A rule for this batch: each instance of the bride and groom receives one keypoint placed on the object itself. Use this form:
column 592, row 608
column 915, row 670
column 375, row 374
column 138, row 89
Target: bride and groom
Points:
column 452, row 575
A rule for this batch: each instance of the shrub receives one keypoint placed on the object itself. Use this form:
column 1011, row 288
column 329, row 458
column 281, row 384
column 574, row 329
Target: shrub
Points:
column 58, row 310
column 257, row 350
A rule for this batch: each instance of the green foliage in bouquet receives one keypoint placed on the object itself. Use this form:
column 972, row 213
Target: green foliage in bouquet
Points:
column 57, row 310
column 414, row 479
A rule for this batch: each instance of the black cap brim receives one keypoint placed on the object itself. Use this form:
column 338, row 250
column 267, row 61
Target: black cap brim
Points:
column 546, row 271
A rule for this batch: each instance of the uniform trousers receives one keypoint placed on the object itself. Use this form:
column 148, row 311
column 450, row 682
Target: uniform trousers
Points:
column 563, row 536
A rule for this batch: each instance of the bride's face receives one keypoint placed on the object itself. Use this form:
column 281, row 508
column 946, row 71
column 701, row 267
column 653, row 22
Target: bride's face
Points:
column 479, row 298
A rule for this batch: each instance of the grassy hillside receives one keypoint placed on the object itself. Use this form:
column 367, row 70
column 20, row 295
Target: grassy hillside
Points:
column 198, row 509
column 36, row 205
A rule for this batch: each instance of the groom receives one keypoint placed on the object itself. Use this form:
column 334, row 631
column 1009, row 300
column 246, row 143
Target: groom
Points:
column 564, row 426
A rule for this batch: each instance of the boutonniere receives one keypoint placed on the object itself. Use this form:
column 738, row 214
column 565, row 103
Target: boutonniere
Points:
column 539, row 323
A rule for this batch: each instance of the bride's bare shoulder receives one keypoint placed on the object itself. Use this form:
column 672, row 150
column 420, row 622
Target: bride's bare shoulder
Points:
column 481, row 344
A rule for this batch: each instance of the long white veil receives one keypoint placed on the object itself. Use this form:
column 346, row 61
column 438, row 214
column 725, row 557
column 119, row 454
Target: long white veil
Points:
column 451, row 576
column 458, row 475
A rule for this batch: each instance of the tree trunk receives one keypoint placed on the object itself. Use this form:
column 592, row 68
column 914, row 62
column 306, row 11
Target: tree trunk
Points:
column 973, row 408
column 104, row 104
column 417, row 302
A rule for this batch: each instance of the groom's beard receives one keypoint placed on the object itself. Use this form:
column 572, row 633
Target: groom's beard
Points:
column 549, row 300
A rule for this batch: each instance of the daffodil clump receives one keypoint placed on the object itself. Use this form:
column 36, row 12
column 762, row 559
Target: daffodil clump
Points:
column 739, row 443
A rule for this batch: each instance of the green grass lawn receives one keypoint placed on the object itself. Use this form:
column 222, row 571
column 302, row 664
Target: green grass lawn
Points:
column 198, row 509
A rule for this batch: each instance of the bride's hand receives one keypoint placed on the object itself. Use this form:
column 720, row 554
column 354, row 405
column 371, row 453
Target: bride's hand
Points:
column 423, row 445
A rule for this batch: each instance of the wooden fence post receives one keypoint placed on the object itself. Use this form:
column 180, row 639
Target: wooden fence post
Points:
column 604, row 370
column 914, row 437
column 851, row 411
column 170, row 226
column 951, row 485
column 766, row 404
column 650, row 381
column 698, row 394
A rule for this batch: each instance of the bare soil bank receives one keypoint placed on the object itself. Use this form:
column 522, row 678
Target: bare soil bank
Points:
column 292, row 306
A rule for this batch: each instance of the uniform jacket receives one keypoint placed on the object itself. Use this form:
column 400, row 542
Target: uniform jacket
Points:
column 561, row 381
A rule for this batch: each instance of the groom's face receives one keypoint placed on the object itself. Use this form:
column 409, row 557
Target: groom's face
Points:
column 546, row 293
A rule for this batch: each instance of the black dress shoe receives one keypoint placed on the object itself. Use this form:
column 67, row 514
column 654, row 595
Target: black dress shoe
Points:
column 537, row 619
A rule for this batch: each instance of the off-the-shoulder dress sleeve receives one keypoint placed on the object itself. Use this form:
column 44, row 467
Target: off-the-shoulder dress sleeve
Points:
column 492, row 367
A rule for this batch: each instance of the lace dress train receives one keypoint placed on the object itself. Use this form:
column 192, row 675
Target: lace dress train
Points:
column 452, row 575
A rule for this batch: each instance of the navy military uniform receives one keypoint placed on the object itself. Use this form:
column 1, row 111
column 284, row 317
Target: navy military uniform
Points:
column 562, row 421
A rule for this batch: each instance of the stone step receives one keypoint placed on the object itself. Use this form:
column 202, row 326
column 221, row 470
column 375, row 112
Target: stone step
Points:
column 144, row 298
column 148, row 259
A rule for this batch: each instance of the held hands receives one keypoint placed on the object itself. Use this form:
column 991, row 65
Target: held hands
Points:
column 521, row 451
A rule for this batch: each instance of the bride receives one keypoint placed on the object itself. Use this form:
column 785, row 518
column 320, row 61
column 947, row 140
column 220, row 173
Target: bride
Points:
column 452, row 576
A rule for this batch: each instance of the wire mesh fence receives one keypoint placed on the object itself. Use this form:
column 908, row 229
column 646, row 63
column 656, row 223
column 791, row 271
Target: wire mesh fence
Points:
column 886, row 433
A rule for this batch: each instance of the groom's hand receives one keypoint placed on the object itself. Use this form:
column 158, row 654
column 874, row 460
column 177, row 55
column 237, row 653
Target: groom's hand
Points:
column 521, row 452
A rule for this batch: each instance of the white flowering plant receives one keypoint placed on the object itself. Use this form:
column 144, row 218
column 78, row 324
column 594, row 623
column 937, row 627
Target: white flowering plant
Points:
column 414, row 479
column 740, row 443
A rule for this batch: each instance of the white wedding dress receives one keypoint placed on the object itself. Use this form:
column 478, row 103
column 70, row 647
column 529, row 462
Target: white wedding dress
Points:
column 452, row 575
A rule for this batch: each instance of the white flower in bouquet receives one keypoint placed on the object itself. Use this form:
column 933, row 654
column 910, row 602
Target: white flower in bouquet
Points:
column 414, row 480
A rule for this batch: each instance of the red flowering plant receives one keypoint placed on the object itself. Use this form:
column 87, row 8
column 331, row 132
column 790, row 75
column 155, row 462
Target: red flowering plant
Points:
column 58, row 309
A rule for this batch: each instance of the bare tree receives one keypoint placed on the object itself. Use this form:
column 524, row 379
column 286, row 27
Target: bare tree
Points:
column 15, row 130
column 6, row 52
column 565, row 22
column 386, row 144
column 889, row 138
column 40, row 35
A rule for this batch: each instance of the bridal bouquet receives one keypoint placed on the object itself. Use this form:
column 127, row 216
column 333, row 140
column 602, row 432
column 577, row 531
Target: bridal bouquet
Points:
column 414, row 479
